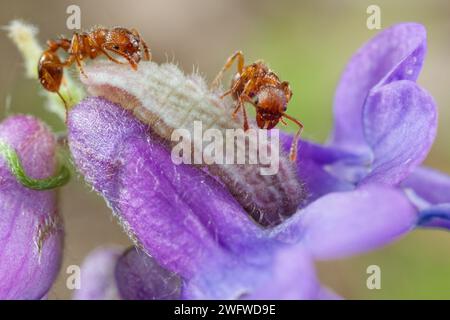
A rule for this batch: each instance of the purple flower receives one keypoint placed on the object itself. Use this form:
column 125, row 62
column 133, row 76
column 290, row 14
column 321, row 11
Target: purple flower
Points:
column 191, row 224
column 140, row 277
column 97, row 280
column 109, row 273
column 31, row 232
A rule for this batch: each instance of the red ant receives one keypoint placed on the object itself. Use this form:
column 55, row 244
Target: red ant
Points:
column 260, row 86
column 98, row 41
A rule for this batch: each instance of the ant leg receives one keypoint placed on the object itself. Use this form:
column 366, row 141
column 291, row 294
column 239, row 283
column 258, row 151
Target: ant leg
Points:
column 244, row 112
column 147, row 53
column 66, row 106
column 110, row 57
column 80, row 67
column 75, row 56
column 236, row 110
column 241, row 100
column 64, row 83
column 70, row 60
column 226, row 93
column 233, row 88
column 237, row 55
column 293, row 151
column 107, row 46
column 73, row 53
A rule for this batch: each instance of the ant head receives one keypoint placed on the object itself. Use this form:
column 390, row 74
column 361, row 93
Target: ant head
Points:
column 272, row 100
column 127, row 42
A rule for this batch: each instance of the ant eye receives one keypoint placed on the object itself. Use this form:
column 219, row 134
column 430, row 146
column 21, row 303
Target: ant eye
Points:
column 116, row 47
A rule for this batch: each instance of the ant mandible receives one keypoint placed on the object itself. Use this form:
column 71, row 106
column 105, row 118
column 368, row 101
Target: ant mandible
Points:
column 257, row 84
column 98, row 41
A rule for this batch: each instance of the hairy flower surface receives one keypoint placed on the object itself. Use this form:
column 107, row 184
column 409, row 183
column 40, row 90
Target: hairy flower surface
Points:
column 31, row 232
column 112, row 273
column 140, row 277
column 191, row 224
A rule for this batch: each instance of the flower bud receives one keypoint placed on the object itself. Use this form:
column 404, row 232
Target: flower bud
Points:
column 31, row 231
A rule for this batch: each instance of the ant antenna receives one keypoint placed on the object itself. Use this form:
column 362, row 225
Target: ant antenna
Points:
column 66, row 106
column 65, row 84
column 293, row 151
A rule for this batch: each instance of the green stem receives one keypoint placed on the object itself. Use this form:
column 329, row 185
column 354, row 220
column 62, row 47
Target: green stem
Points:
column 12, row 159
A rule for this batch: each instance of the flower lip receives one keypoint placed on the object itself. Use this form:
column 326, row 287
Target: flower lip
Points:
column 395, row 54
column 400, row 122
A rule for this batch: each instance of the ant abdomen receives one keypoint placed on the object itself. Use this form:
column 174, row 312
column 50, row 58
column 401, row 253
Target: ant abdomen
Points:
column 50, row 71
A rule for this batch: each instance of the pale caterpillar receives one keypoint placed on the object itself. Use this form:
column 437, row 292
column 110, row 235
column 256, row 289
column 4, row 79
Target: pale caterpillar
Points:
column 166, row 99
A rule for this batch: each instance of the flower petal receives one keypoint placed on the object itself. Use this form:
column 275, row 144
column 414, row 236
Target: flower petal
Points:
column 328, row 294
column 397, row 53
column 30, row 229
column 178, row 213
column 224, row 279
column 312, row 160
column 346, row 223
column 95, row 135
column 98, row 275
column 400, row 123
column 288, row 274
column 139, row 277
column 292, row 277
column 437, row 216
column 429, row 184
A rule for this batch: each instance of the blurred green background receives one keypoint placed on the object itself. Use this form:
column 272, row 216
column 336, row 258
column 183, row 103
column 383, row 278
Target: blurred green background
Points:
column 307, row 43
